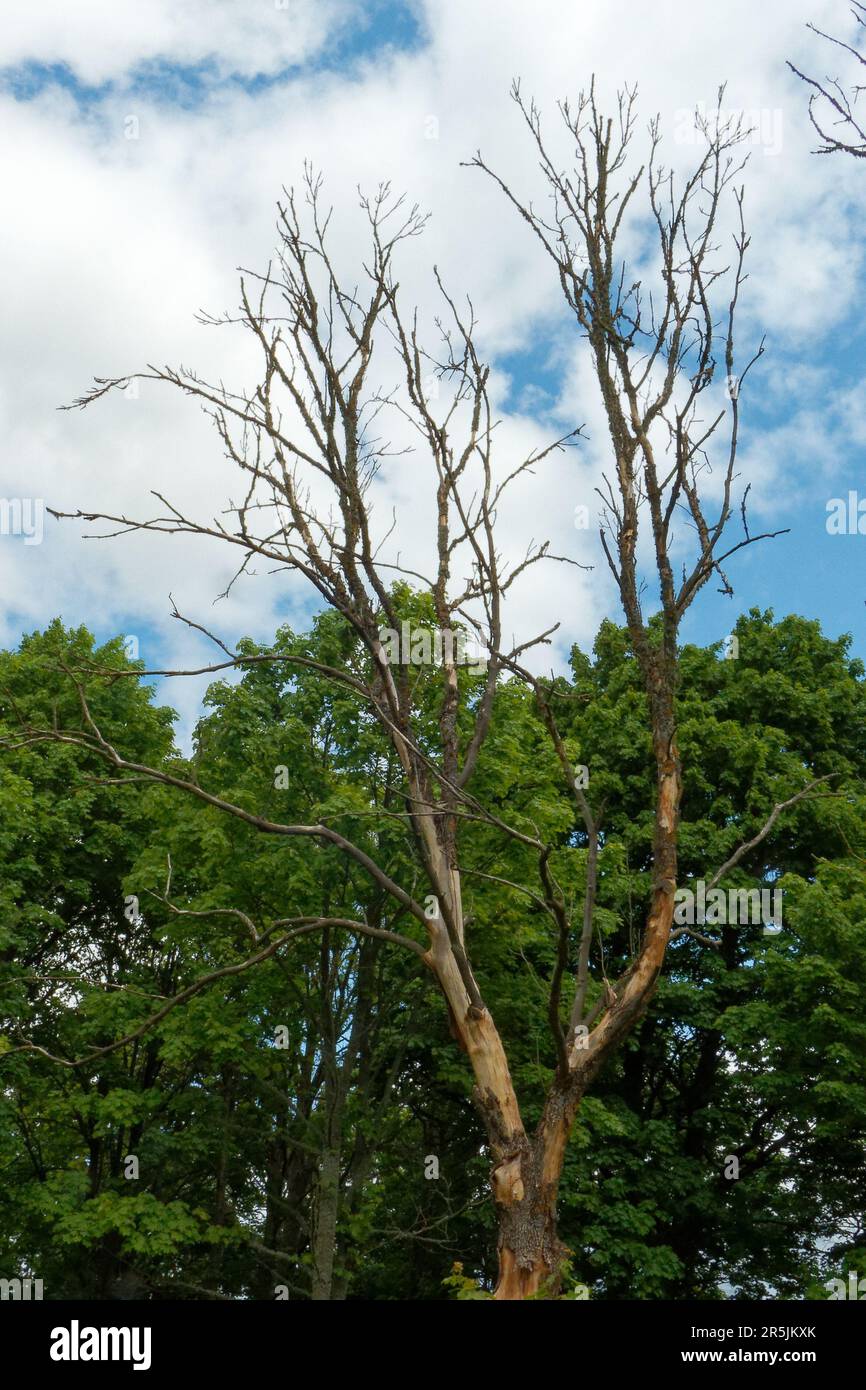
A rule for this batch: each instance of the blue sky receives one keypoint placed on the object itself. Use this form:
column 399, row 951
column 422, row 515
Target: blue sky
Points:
column 366, row 33
column 119, row 242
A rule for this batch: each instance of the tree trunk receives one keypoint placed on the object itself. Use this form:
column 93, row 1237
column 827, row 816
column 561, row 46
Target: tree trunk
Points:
column 525, row 1189
column 526, row 1171
column 325, row 1235
column 530, row 1252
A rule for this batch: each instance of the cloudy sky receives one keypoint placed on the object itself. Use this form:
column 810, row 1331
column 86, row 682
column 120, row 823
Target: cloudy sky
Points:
column 145, row 145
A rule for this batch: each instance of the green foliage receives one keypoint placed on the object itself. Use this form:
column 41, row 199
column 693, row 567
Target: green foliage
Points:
column 754, row 1049
column 462, row 1287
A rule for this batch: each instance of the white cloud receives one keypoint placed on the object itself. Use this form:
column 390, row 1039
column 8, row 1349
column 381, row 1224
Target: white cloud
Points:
column 102, row 40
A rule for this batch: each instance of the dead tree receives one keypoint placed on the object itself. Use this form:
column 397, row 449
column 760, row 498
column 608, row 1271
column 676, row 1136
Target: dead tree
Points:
column 304, row 444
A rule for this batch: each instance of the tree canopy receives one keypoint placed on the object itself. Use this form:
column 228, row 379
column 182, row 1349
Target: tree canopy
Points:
column 306, row 1123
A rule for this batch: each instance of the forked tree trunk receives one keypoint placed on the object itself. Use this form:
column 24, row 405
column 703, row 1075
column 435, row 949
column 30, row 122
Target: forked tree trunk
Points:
column 526, row 1173
column 527, row 1169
